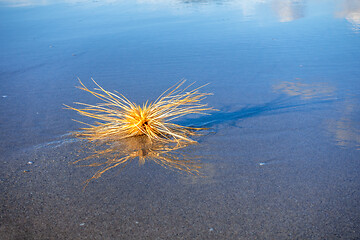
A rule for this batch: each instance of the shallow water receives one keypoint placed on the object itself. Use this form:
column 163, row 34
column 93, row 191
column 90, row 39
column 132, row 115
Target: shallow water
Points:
column 281, row 158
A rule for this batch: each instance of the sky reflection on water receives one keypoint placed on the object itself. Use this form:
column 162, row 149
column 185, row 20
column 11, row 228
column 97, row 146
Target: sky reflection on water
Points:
column 250, row 51
column 282, row 10
column 346, row 128
column 306, row 91
column 351, row 12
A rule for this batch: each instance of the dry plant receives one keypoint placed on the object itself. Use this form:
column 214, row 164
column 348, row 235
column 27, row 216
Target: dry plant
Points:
column 121, row 118
column 125, row 131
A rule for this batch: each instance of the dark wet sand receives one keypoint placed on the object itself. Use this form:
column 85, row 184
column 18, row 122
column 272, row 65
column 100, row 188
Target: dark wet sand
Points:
column 282, row 158
column 255, row 187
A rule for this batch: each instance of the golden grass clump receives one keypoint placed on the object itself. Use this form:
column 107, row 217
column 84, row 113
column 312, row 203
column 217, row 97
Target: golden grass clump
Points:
column 119, row 118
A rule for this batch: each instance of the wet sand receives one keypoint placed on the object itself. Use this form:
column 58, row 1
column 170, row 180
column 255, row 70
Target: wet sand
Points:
column 281, row 158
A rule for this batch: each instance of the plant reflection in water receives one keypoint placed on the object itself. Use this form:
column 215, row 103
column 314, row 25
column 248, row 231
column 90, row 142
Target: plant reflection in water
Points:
column 109, row 155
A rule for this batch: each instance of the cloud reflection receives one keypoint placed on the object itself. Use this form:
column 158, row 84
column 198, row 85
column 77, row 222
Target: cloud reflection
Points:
column 304, row 90
column 26, row 3
column 351, row 12
column 109, row 155
column 346, row 129
column 289, row 10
